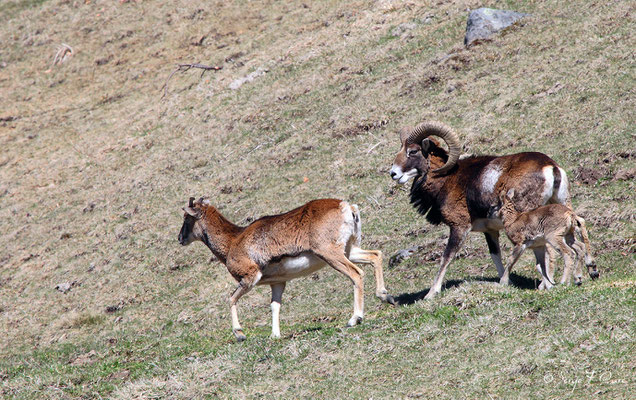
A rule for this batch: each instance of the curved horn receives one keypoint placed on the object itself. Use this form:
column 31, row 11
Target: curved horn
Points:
column 405, row 133
column 444, row 132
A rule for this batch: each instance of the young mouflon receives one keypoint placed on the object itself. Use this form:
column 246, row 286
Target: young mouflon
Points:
column 549, row 228
column 275, row 249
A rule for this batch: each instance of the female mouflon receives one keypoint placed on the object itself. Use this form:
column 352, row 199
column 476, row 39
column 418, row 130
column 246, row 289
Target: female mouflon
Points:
column 275, row 249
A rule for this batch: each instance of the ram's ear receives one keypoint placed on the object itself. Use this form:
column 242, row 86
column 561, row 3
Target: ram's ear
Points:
column 193, row 212
column 191, row 202
column 426, row 143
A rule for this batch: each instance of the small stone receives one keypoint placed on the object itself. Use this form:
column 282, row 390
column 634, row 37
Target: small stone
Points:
column 402, row 255
column 427, row 20
column 66, row 286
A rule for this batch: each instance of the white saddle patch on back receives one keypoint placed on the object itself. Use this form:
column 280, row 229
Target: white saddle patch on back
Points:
column 490, row 177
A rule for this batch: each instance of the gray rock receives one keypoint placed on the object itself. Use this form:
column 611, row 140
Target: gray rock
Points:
column 483, row 22
column 402, row 255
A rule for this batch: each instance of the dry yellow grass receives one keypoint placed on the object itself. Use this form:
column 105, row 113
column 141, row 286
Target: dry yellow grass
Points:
column 95, row 166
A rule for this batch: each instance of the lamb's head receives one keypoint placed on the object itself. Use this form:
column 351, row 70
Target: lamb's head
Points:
column 413, row 159
column 504, row 203
column 192, row 228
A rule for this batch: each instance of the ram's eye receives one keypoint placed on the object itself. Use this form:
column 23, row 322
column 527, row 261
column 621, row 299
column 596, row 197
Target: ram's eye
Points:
column 413, row 152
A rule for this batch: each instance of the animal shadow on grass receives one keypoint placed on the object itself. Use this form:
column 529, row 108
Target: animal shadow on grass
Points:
column 305, row 331
column 518, row 281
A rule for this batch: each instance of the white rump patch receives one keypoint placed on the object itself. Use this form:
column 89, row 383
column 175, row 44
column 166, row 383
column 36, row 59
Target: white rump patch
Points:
column 348, row 227
column 563, row 192
column 490, row 177
column 548, row 174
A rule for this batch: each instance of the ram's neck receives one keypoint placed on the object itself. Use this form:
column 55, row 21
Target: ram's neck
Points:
column 437, row 159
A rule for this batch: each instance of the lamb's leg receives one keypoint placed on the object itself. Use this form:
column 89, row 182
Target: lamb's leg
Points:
column 374, row 258
column 492, row 239
column 277, row 297
column 455, row 241
column 566, row 252
column 550, row 264
column 543, row 266
column 516, row 253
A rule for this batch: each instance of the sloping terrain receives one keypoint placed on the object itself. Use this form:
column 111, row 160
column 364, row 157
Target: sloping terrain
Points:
column 97, row 158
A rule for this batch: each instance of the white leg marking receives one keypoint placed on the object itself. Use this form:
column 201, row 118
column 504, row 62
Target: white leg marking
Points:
column 275, row 319
column 236, row 326
column 277, row 296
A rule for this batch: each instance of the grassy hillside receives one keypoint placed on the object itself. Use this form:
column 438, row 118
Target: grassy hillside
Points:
column 95, row 166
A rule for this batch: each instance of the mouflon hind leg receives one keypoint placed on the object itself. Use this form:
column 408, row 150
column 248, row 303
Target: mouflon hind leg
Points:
column 374, row 258
column 334, row 256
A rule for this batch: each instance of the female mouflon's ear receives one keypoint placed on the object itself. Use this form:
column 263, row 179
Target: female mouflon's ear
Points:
column 191, row 210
